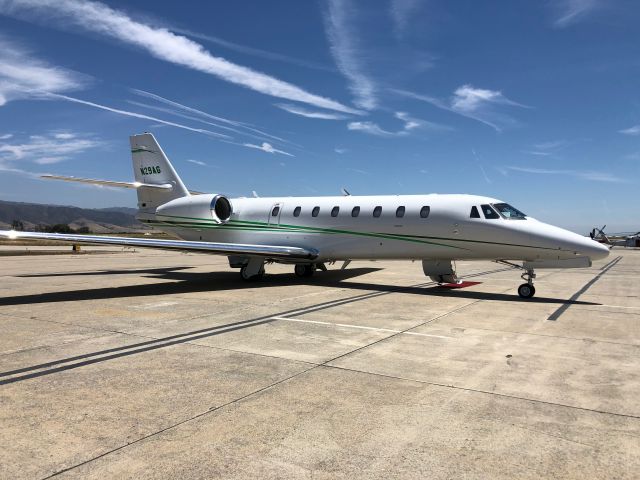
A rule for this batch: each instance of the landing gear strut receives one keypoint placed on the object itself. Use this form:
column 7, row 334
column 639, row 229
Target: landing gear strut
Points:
column 253, row 270
column 527, row 290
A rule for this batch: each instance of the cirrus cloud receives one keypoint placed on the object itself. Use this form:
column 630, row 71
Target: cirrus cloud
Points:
column 268, row 148
column 160, row 43
column 24, row 76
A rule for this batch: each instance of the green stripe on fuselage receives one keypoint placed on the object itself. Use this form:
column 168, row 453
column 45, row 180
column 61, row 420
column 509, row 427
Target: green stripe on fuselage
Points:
column 267, row 227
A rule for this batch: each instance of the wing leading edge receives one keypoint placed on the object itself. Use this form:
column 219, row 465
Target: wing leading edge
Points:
column 269, row 251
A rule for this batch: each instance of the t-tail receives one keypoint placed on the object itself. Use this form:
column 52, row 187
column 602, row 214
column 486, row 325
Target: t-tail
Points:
column 157, row 179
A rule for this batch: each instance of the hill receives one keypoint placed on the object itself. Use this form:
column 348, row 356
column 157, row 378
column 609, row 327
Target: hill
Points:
column 105, row 220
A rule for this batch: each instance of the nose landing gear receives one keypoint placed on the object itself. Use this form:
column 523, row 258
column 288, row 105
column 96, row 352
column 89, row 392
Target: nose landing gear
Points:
column 527, row 290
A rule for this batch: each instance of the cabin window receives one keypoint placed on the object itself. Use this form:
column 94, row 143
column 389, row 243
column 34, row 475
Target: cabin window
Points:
column 400, row 212
column 377, row 211
column 474, row 212
column 424, row 211
column 489, row 213
column 275, row 211
column 315, row 211
column 355, row 212
column 507, row 211
column 335, row 211
column 296, row 211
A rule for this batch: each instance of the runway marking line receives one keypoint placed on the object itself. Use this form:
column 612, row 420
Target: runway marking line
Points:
column 360, row 327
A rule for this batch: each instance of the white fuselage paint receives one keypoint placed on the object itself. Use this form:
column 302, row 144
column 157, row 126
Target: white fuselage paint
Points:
column 448, row 232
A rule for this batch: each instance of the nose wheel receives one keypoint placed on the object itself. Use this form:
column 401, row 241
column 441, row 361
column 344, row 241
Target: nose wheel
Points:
column 527, row 290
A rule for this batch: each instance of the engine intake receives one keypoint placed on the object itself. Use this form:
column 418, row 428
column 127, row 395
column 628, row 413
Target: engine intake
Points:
column 221, row 208
column 206, row 206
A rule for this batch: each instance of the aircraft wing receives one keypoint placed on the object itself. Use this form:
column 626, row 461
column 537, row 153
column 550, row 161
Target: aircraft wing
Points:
column 269, row 251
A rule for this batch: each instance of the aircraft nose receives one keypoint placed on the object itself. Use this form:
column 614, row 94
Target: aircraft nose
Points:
column 595, row 250
column 590, row 248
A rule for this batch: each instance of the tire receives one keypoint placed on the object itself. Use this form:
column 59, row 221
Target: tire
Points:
column 304, row 271
column 526, row 291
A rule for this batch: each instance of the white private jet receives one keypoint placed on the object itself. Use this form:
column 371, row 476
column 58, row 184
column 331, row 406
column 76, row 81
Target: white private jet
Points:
column 311, row 231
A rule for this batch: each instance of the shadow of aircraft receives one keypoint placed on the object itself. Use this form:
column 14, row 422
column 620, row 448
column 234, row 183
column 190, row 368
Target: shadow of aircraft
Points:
column 183, row 281
column 141, row 271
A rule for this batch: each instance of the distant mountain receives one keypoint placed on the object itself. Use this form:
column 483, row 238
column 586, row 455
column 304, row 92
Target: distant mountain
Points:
column 127, row 210
column 104, row 220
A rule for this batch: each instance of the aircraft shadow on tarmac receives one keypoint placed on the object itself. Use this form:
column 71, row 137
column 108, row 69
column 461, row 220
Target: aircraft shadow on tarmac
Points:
column 190, row 282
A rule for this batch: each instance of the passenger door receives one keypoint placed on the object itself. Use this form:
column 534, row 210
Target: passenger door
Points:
column 274, row 214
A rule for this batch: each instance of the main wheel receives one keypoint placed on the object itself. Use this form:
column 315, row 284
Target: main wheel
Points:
column 526, row 291
column 302, row 270
column 251, row 278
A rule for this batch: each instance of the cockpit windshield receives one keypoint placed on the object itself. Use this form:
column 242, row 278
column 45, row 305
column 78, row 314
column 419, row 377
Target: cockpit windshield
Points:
column 509, row 212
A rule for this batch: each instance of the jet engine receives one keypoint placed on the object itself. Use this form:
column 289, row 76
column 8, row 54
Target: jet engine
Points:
column 207, row 207
column 440, row 271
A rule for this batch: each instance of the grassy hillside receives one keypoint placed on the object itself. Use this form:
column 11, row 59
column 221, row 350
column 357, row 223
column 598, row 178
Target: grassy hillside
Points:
column 108, row 220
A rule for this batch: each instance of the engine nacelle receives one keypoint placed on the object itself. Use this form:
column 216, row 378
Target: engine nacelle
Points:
column 440, row 271
column 209, row 207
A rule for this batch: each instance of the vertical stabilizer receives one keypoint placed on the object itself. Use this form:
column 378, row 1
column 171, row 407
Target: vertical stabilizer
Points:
column 151, row 166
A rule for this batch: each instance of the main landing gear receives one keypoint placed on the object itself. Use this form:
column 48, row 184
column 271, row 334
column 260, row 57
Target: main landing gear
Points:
column 304, row 270
column 254, row 269
column 527, row 290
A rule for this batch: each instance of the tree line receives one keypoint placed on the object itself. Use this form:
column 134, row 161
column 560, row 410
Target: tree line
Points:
column 18, row 226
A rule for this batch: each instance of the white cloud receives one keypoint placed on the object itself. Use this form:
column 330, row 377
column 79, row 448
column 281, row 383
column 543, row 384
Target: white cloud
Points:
column 256, row 52
column 347, row 53
column 370, row 128
column 6, row 136
column 401, row 12
column 475, row 103
column 187, row 117
column 357, row 170
column 572, row 11
column 583, row 175
column 161, row 43
column 469, row 99
column 551, row 145
column 409, row 124
column 46, row 149
column 195, row 111
column 340, row 151
column 64, row 136
column 303, row 112
column 55, row 96
column 49, row 160
column 267, row 147
column 482, row 170
column 23, row 76
column 197, row 162
column 635, row 130
column 537, row 153
column 547, row 149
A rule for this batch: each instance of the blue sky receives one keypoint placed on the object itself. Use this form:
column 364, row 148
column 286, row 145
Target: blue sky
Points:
column 535, row 103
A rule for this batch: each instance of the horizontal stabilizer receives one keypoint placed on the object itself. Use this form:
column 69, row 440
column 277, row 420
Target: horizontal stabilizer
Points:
column 108, row 183
column 267, row 251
